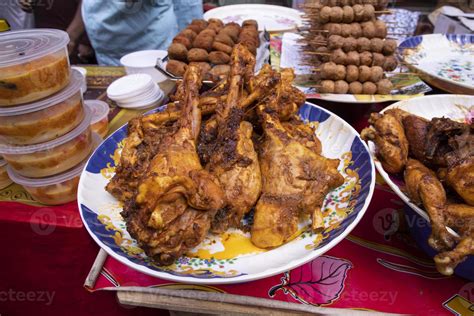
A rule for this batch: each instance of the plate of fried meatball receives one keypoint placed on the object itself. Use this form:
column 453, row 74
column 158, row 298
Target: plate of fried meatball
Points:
column 208, row 45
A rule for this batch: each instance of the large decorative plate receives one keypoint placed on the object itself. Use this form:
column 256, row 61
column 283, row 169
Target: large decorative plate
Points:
column 405, row 86
column 445, row 61
column 272, row 18
column 231, row 257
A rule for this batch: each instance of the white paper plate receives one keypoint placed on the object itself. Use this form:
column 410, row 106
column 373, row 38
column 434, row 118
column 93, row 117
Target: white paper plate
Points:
column 272, row 18
column 445, row 61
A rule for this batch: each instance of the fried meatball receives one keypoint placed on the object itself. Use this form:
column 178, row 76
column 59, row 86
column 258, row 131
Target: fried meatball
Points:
column 198, row 54
column 389, row 47
column 190, row 34
column 203, row 66
column 220, row 70
column 346, row 30
column 224, row 39
column 250, row 22
column 368, row 29
column 222, row 47
column 203, row 23
column 358, row 12
column 178, row 51
column 210, row 32
column 335, row 28
column 365, row 58
column 369, row 12
column 328, row 70
column 198, row 25
column 327, row 86
column 369, row 88
column 376, row 45
column 218, row 58
column 349, row 44
column 231, row 30
column 348, row 14
column 195, row 28
column 355, row 87
column 323, row 58
column 363, row 44
column 364, row 73
column 325, row 15
column 380, row 29
column 335, row 42
column 216, row 28
column 352, row 73
column 376, row 74
column 353, row 58
column 176, row 67
column 390, row 64
column 203, row 41
column 378, row 59
column 338, row 56
column 216, row 21
column 341, row 87
column 384, row 86
column 180, row 39
column 340, row 73
column 336, row 14
column 356, row 30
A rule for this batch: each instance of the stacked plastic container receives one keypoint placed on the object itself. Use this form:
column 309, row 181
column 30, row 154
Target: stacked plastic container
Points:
column 45, row 128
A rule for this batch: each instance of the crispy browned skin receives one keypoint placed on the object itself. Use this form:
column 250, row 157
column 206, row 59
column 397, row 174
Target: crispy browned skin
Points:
column 424, row 188
column 234, row 160
column 389, row 137
column 296, row 180
column 416, row 129
column 176, row 198
column 461, row 218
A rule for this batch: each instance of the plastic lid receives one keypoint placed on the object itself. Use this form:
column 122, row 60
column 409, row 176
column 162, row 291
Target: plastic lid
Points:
column 56, row 179
column 129, row 86
column 19, row 150
column 18, row 47
column 72, row 88
column 99, row 109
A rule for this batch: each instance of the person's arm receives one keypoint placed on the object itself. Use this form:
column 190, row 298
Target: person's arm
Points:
column 75, row 29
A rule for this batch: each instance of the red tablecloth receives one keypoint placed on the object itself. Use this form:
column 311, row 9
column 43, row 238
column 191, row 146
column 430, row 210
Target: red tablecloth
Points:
column 47, row 255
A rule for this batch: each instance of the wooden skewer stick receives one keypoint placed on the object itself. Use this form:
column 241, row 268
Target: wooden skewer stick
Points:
column 383, row 12
column 318, row 53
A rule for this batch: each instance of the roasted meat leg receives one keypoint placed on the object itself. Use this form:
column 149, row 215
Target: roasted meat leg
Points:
column 424, row 188
column 296, row 179
column 389, row 137
column 233, row 159
column 176, row 198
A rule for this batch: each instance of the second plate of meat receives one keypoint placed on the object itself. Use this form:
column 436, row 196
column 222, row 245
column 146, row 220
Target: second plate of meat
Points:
column 235, row 184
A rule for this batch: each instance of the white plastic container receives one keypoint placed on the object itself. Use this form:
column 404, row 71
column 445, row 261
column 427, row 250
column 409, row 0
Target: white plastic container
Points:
column 53, row 157
column 143, row 62
column 54, row 190
column 4, row 178
column 83, row 73
column 34, row 64
column 100, row 120
column 43, row 120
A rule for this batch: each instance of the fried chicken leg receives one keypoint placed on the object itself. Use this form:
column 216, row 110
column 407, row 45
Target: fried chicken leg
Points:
column 424, row 188
column 234, row 160
column 176, row 198
column 296, row 179
column 389, row 137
